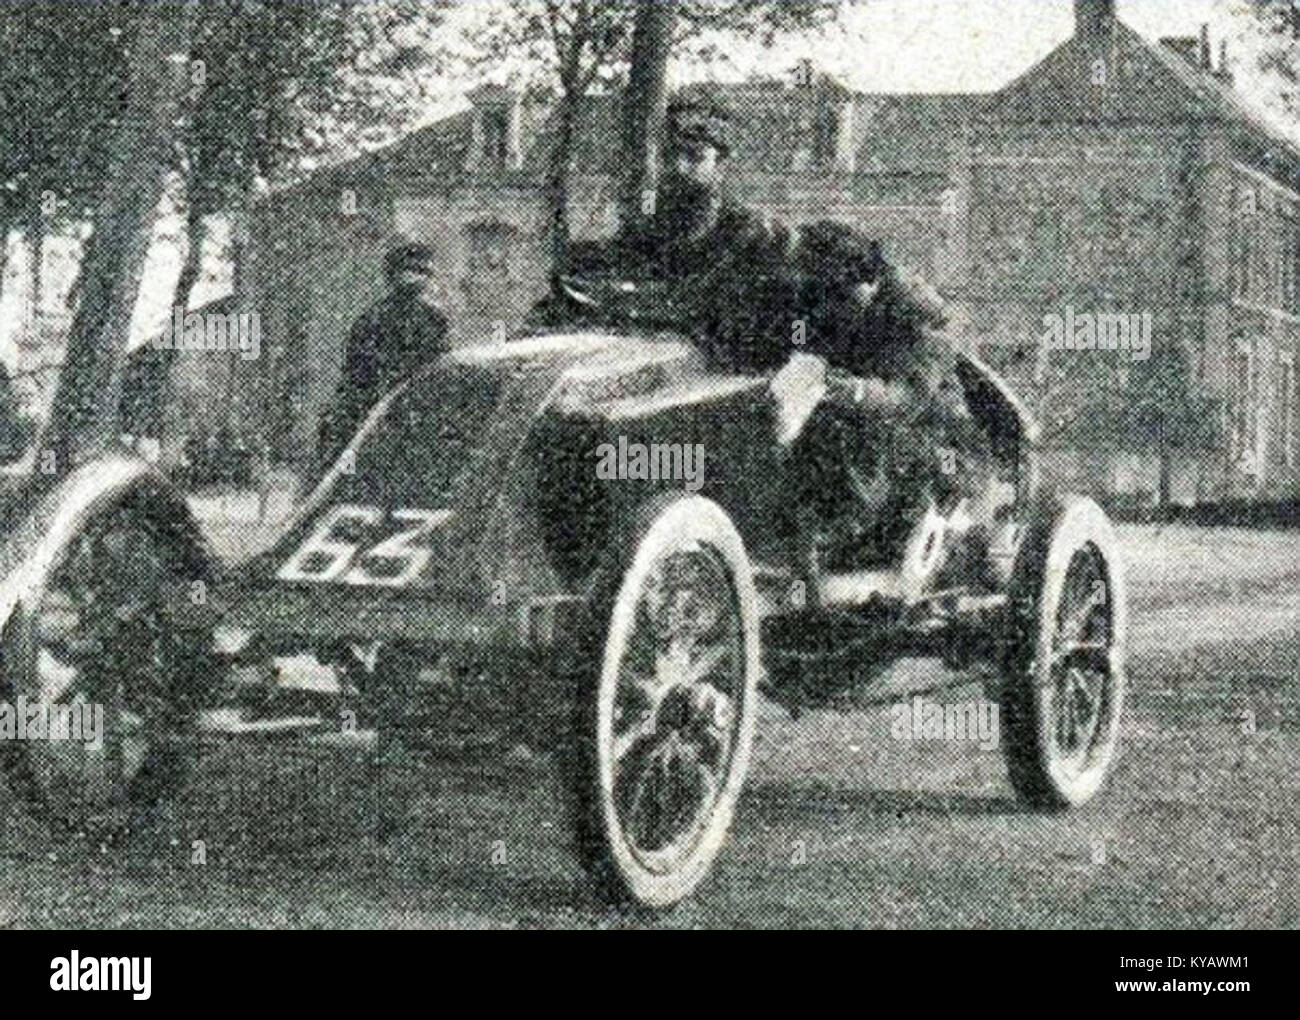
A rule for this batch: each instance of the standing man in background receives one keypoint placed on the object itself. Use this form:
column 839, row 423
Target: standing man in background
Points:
column 389, row 341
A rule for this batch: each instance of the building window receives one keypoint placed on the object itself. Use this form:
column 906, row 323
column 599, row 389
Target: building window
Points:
column 489, row 277
column 1265, row 247
column 1290, row 259
column 1286, row 401
column 1264, row 281
column 1242, row 433
column 496, row 139
column 1245, row 230
column 489, row 246
column 826, row 131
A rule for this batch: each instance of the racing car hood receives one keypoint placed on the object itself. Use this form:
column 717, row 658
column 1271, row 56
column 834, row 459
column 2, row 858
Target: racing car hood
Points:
column 438, row 455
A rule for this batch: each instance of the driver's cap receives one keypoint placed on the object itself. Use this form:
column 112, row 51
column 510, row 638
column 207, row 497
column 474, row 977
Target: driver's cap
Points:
column 700, row 116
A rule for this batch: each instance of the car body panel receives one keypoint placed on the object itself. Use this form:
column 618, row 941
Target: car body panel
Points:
column 469, row 496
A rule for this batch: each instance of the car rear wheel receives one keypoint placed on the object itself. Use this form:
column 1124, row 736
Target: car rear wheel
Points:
column 1064, row 691
column 664, row 710
column 92, row 653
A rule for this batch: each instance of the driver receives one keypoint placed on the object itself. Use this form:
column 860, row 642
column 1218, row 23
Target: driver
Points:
column 757, row 291
column 724, row 267
column 727, row 266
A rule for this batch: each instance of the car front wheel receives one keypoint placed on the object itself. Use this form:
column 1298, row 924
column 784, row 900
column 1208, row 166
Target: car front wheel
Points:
column 665, row 708
column 91, row 652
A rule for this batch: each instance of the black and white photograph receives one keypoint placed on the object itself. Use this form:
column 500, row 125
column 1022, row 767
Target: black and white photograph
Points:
column 651, row 464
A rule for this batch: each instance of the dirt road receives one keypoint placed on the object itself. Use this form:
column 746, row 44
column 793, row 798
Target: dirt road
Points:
column 841, row 825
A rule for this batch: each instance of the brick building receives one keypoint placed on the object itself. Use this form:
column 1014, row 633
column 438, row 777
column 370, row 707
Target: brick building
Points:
column 1123, row 175
column 1116, row 175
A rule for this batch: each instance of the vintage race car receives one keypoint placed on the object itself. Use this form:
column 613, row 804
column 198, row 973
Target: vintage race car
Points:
column 605, row 533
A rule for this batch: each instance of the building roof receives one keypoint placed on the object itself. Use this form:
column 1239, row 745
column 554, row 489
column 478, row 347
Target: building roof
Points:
column 1160, row 83
column 772, row 121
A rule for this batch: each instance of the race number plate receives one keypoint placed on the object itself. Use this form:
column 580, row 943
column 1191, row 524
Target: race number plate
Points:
column 363, row 545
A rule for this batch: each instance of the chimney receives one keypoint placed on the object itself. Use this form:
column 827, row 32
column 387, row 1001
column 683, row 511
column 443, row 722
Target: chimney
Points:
column 1206, row 63
column 1224, row 73
column 1094, row 19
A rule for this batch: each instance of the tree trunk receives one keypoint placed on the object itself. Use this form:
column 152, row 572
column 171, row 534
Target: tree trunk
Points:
column 647, row 99
column 240, row 213
column 557, row 182
column 195, row 232
column 1166, row 472
column 4, row 254
column 35, row 231
column 248, row 386
column 86, row 409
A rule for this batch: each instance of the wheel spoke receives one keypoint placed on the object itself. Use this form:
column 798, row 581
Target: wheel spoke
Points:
column 1064, row 717
column 672, row 663
column 60, row 617
column 57, row 681
column 1075, row 625
column 705, row 663
column 627, row 739
column 648, row 800
column 633, row 812
column 640, row 686
column 131, row 724
column 636, row 702
column 1089, row 693
column 1091, row 654
column 1089, row 700
column 114, row 761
